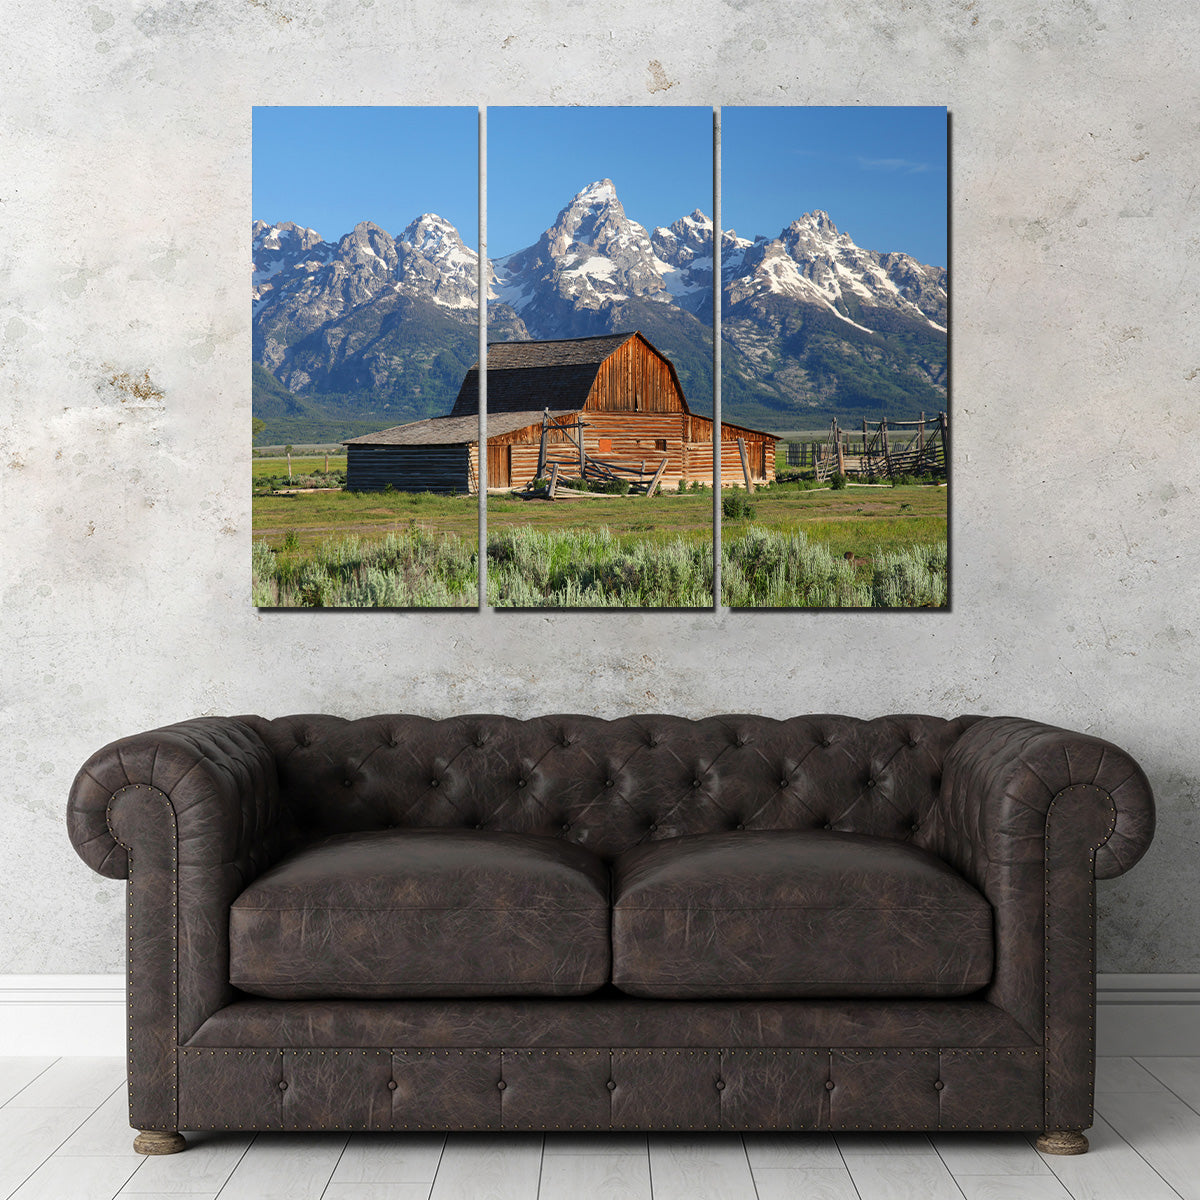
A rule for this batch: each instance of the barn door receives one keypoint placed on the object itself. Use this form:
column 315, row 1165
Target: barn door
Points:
column 499, row 465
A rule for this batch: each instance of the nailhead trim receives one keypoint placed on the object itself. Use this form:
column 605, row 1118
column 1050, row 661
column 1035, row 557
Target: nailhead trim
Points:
column 153, row 791
column 1046, row 1006
column 725, row 1088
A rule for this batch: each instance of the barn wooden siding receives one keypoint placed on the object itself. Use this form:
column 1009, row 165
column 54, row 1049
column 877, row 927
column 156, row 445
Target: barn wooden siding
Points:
column 635, row 441
column 636, row 378
column 370, row 468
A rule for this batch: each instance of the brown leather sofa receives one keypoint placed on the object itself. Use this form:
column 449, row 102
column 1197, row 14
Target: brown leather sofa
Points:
column 653, row 923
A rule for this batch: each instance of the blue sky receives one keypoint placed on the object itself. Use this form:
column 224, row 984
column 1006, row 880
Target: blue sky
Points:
column 660, row 160
column 880, row 173
column 329, row 168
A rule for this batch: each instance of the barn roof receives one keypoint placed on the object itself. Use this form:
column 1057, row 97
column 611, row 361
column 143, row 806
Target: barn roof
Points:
column 451, row 431
column 522, row 375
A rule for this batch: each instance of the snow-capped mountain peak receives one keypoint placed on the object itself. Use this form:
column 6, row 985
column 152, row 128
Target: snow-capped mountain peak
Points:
column 280, row 250
column 593, row 256
column 603, row 191
column 812, row 261
column 436, row 263
column 430, row 233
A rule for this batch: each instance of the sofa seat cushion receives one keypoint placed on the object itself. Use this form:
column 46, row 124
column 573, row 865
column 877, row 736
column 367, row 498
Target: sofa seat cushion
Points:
column 795, row 914
column 402, row 913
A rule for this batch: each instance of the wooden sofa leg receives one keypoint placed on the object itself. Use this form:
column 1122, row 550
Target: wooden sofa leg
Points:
column 1062, row 1141
column 159, row 1141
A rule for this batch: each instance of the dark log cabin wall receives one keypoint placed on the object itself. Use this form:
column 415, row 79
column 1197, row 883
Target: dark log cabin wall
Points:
column 447, row 469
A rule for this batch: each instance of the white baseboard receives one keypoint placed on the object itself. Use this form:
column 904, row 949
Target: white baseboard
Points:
column 85, row 1014
column 62, row 1014
column 1148, row 1014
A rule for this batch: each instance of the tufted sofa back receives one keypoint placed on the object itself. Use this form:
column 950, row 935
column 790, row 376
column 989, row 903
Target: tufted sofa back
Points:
column 609, row 785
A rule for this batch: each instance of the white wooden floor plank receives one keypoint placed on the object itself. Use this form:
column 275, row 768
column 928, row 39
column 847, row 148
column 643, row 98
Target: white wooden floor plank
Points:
column 708, row 1167
column 204, row 1167
column 285, row 1166
column 804, row 1183
column 105, row 1132
column 1181, row 1075
column 96, row 1177
column 28, row 1136
column 620, row 1144
column 17, row 1073
column 891, row 1144
column 611, row 1176
column 1012, row 1187
column 902, row 1177
column 476, row 1167
column 1163, row 1130
column 988, row 1154
column 1124, row 1075
column 1111, row 1170
column 390, row 1158
column 168, row 1195
column 377, row 1191
column 72, row 1083
column 808, row 1150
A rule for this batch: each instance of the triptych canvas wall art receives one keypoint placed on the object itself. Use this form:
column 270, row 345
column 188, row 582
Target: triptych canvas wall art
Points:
column 709, row 366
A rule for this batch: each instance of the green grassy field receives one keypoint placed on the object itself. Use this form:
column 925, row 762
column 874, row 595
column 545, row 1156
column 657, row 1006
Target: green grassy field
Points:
column 859, row 546
column 308, row 464
column 857, row 519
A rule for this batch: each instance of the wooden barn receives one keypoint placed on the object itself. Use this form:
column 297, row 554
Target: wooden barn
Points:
column 614, row 399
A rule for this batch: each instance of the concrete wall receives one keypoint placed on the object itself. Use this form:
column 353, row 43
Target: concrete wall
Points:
column 125, row 410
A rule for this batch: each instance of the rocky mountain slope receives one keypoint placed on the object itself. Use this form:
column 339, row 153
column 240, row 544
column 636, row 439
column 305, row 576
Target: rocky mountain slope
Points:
column 381, row 329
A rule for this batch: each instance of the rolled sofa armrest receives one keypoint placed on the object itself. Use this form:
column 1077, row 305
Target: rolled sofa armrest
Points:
column 189, row 814
column 218, row 775
column 1004, row 774
column 1032, row 816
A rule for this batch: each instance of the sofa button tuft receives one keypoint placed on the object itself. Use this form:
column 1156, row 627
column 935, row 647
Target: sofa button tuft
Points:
column 566, row 825
column 392, row 1085
column 652, row 828
column 609, row 783
column 283, row 1085
column 784, row 782
column 827, row 825
column 739, row 825
column 827, row 741
column 434, row 782
column 870, row 783
column 696, row 783
column 912, row 741
column 939, row 1085
column 347, row 783
column 611, row 1085
column 522, row 782
column 915, row 826
column 478, row 824
column 829, row 1085
column 501, row 1085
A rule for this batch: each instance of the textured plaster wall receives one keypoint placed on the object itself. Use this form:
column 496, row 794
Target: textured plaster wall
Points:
column 125, row 210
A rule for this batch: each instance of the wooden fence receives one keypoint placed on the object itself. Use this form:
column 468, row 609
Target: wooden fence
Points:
column 883, row 450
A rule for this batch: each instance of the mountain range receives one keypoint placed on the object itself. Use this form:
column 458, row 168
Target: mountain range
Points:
column 375, row 330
